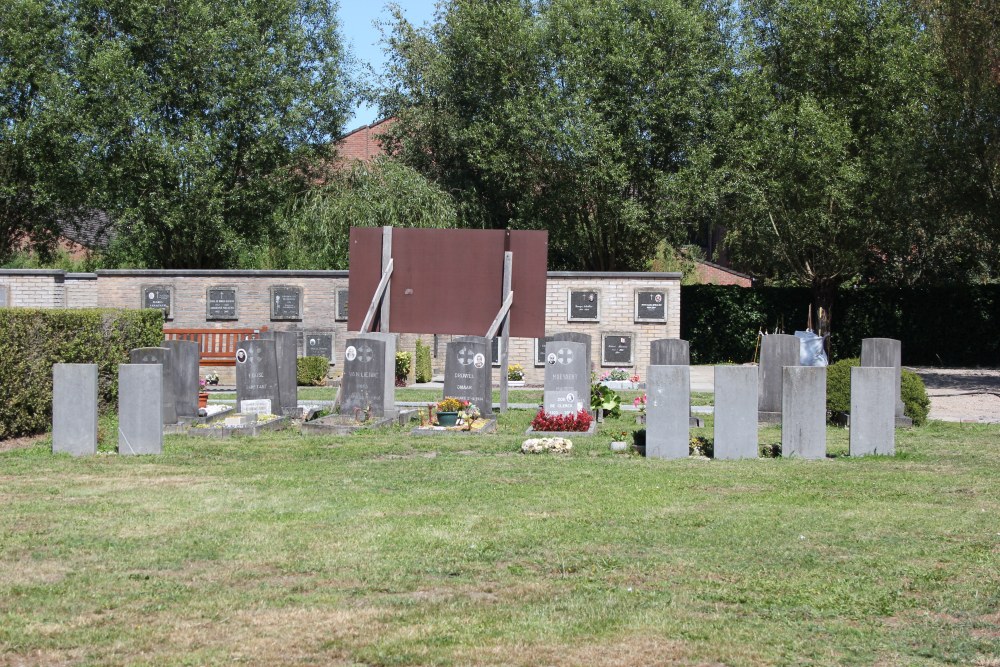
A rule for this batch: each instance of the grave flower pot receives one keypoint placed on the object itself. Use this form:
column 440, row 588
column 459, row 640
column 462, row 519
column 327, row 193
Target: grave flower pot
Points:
column 447, row 418
column 203, row 399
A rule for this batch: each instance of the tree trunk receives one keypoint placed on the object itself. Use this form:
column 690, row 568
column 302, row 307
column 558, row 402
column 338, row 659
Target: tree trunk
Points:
column 824, row 293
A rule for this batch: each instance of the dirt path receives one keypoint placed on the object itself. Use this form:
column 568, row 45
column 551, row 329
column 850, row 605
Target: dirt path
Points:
column 963, row 394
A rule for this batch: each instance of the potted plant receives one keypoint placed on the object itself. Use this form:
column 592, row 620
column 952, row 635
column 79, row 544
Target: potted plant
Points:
column 202, row 395
column 447, row 411
column 619, row 378
column 515, row 375
column 639, row 402
column 619, row 444
column 469, row 414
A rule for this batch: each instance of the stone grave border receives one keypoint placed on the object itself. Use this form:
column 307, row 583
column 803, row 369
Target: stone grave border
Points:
column 488, row 428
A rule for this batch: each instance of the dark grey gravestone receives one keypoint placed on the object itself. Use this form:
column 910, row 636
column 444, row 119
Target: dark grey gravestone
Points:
column 735, row 412
column 257, row 374
column 887, row 353
column 184, row 355
column 342, row 295
column 574, row 337
column 320, row 345
column 468, row 373
column 668, row 400
column 584, row 305
column 221, row 303
column 776, row 352
column 159, row 297
column 388, row 369
column 286, row 353
column 74, row 409
column 567, row 378
column 669, row 352
column 163, row 356
column 286, row 302
column 873, row 413
column 803, row 412
column 363, row 385
column 650, row 306
column 616, row 349
column 140, row 408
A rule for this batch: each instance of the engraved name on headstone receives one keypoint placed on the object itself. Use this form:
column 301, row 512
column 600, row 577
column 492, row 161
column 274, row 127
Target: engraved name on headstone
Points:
column 163, row 356
column 319, row 345
column 650, row 306
column 616, row 349
column 363, row 384
column 584, row 305
column 468, row 373
column 567, row 378
column 74, row 409
column 342, row 294
column 159, row 297
column 221, row 303
column 286, row 302
column 257, row 406
column 257, row 373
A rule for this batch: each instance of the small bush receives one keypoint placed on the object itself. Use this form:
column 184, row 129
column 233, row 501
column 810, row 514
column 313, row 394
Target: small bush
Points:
column 916, row 404
column 403, row 360
column 311, row 371
column 604, row 398
column 838, row 386
column 515, row 372
column 701, row 446
column 546, row 422
column 423, row 362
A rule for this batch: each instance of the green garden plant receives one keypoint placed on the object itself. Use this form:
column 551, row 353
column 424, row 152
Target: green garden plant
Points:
column 311, row 371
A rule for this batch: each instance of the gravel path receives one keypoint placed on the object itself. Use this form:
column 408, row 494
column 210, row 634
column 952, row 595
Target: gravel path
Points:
column 963, row 394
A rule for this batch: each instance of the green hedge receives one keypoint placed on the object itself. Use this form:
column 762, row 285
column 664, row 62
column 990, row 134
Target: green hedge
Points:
column 938, row 326
column 31, row 341
column 311, row 371
column 422, row 369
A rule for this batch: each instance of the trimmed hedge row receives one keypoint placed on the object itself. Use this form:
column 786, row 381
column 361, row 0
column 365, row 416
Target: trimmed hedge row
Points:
column 31, row 341
column 938, row 326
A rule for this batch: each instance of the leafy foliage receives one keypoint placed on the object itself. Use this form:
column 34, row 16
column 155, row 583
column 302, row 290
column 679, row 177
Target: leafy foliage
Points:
column 422, row 354
column 403, row 360
column 916, row 403
column 838, row 385
column 561, row 423
column 311, row 371
column 604, row 398
column 31, row 341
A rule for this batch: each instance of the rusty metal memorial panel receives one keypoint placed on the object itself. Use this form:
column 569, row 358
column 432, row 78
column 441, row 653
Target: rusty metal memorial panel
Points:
column 450, row 281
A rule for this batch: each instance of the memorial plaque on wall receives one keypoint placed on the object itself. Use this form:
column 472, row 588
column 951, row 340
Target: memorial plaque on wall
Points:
column 286, row 302
column 540, row 350
column 584, row 306
column 221, row 303
column 159, row 297
column 320, row 345
column 616, row 350
column 650, row 306
column 495, row 351
column 342, row 304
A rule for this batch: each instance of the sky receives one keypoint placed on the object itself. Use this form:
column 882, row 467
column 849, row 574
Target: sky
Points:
column 357, row 24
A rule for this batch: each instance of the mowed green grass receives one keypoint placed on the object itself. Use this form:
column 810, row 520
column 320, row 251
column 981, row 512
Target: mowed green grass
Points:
column 392, row 549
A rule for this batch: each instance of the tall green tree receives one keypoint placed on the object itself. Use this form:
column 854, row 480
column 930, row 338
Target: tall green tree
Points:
column 584, row 117
column 829, row 117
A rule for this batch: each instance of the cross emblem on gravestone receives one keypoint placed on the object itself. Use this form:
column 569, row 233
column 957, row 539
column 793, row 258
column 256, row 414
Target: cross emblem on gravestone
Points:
column 252, row 353
column 365, row 354
column 146, row 359
column 565, row 356
column 465, row 356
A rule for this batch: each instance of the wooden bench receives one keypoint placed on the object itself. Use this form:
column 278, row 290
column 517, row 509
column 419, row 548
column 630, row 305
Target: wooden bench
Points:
column 218, row 346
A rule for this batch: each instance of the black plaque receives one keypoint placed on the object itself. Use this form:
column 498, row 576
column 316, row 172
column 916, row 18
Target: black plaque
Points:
column 650, row 306
column 616, row 350
column 319, row 345
column 342, row 304
column 540, row 350
column 159, row 297
column 584, row 305
column 221, row 303
column 286, row 302
column 495, row 351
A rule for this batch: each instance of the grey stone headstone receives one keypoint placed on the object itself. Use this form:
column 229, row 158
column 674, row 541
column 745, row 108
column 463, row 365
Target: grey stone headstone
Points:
column 776, row 352
column 164, row 357
column 567, row 378
column 575, row 337
column 468, row 371
column 257, row 373
column 873, row 421
column 185, row 355
column 885, row 353
column 140, row 408
column 74, row 409
column 363, row 384
column 668, row 400
column 735, row 412
column 286, row 353
column 319, row 345
column 389, row 368
column 803, row 408
column 669, row 352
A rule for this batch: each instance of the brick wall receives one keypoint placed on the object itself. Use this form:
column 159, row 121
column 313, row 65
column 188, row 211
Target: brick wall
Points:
column 124, row 289
column 362, row 144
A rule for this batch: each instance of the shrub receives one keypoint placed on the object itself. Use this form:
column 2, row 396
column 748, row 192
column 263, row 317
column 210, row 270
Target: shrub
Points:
column 916, row 404
column 604, row 398
column 423, row 362
column 546, row 422
column 402, row 367
column 31, row 341
column 311, row 371
column 838, row 386
column 515, row 372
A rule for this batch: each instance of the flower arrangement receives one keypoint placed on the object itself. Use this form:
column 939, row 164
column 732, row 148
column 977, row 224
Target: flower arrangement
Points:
column 618, row 375
column 545, row 422
column 639, row 403
column 451, row 404
column 540, row 445
column 211, row 378
column 515, row 372
column 201, row 384
column 470, row 412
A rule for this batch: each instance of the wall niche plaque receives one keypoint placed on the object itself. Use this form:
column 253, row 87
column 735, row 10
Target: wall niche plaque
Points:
column 159, row 297
column 584, row 306
column 319, row 344
column 221, row 303
column 342, row 304
column 650, row 305
column 286, row 302
column 616, row 349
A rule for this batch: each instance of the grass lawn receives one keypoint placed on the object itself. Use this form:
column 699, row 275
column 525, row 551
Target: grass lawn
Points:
column 391, row 549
